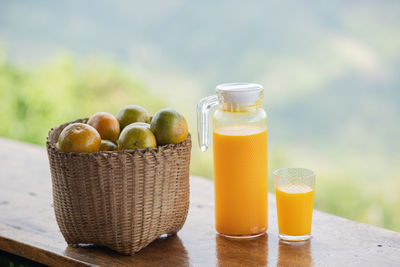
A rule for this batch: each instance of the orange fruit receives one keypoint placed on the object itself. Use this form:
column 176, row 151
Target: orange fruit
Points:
column 107, row 145
column 79, row 137
column 136, row 136
column 132, row 113
column 106, row 124
column 169, row 126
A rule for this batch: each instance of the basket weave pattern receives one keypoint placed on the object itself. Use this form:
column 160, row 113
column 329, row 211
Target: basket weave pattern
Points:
column 119, row 199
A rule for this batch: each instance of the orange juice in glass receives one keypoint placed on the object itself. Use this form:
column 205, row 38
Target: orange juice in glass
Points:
column 294, row 190
column 240, row 158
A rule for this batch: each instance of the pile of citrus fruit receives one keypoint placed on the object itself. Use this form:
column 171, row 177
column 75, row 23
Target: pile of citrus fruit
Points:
column 132, row 128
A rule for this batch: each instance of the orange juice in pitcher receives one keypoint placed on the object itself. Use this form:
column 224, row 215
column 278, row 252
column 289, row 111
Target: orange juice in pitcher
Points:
column 240, row 158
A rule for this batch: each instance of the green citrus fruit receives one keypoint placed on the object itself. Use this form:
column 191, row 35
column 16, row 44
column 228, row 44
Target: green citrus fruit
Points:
column 132, row 113
column 107, row 145
column 169, row 126
column 79, row 137
column 136, row 136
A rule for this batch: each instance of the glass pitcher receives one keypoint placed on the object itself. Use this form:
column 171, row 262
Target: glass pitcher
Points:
column 240, row 157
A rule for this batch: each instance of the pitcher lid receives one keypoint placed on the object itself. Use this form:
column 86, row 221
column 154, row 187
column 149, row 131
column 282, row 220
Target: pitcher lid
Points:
column 239, row 87
column 240, row 93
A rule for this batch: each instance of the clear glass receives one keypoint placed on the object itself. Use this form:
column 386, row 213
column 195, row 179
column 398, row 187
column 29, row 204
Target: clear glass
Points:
column 203, row 108
column 294, row 190
column 253, row 115
column 240, row 159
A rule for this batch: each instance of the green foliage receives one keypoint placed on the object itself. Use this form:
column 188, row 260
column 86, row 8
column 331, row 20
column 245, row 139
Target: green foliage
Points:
column 34, row 101
column 353, row 198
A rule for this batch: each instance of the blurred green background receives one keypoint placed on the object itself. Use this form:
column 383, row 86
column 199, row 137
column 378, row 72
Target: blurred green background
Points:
column 330, row 71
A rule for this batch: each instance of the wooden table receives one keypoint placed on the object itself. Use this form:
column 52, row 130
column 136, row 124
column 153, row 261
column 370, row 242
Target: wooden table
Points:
column 28, row 229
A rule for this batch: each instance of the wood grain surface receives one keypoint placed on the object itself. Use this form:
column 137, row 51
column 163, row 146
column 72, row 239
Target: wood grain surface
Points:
column 28, row 228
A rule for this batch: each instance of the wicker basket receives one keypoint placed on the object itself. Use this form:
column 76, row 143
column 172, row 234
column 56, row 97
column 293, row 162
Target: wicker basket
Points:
column 119, row 199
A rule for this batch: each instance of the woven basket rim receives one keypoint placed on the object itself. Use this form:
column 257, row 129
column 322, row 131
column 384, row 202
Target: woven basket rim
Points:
column 140, row 151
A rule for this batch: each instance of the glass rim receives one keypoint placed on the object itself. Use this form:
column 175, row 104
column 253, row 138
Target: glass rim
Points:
column 312, row 173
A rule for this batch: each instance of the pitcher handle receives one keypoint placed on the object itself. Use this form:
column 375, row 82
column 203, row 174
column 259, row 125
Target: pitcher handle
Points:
column 203, row 110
